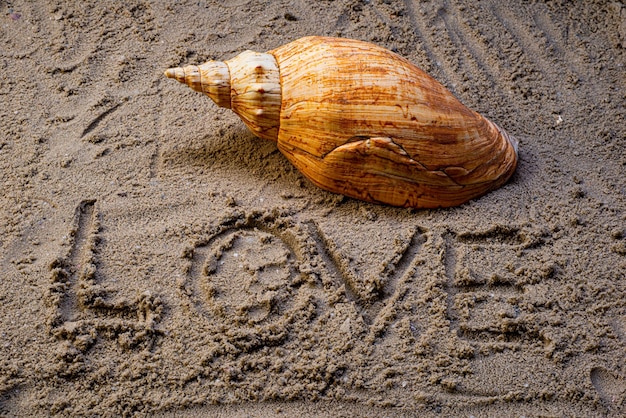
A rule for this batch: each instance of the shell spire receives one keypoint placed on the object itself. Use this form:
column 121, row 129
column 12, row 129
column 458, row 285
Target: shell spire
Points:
column 249, row 84
column 211, row 78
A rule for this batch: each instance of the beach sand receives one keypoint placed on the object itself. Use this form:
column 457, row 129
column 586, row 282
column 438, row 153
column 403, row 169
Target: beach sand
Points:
column 159, row 260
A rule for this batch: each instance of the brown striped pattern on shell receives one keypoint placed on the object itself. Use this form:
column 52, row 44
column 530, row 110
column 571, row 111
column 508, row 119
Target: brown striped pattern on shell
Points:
column 359, row 120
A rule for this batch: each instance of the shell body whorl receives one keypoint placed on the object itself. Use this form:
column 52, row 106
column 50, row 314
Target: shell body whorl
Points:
column 360, row 120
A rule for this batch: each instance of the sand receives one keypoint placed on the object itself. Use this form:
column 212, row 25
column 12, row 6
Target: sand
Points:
column 158, row 259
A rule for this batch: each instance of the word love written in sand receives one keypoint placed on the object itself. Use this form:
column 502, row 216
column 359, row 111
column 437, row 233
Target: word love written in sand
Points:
column 257, row 272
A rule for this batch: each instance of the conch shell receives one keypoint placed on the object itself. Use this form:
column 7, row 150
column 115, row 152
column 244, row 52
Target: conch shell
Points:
column 359, row 120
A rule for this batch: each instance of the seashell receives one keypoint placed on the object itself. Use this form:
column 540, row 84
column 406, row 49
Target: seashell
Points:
column 359, row 120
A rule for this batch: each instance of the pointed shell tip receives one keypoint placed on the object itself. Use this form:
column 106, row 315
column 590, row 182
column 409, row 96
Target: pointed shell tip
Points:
column 170, row 73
